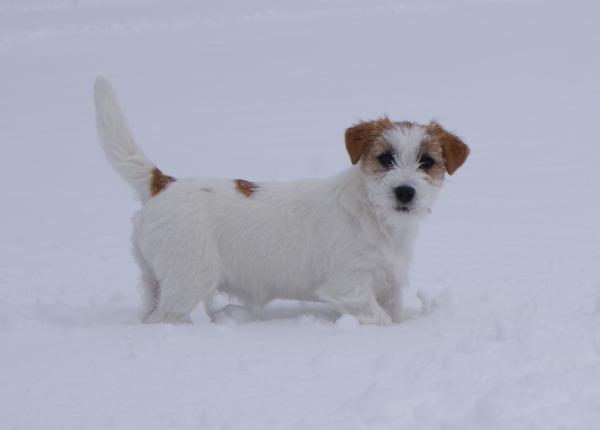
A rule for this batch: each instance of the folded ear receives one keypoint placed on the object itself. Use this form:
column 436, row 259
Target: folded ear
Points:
column 454, row 150
column 359, row 136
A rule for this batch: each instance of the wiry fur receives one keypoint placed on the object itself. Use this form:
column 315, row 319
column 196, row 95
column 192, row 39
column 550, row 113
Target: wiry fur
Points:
column 118, row 143
column 341, row 240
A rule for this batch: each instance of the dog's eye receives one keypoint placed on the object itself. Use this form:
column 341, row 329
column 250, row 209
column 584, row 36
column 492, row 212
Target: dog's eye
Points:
column 426, row 162
column 386, row 160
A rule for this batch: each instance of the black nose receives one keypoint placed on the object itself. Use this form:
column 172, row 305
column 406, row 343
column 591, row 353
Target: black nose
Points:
column 404, row 194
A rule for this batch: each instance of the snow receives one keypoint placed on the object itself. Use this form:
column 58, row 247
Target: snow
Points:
column 504, row 310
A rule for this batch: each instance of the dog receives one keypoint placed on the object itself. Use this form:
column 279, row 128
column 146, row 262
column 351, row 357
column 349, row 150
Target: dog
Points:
column 345, row 240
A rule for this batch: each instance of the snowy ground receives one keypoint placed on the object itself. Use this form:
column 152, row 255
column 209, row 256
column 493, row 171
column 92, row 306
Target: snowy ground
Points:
column 509, row 260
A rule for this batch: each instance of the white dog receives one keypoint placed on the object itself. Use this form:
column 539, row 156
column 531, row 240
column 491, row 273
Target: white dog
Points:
column 345, row 240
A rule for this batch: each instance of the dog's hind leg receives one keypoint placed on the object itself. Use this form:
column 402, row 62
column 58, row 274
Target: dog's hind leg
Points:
column 179, row 295
column 218, row 313
column 167, row 300
column 150, row 286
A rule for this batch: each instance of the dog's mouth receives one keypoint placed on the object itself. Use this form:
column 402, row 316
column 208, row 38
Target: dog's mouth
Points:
column 413, row 210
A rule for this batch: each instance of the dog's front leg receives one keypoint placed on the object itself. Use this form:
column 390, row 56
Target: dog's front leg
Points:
column 392, row 302
column 399, row 282
column 356, row 298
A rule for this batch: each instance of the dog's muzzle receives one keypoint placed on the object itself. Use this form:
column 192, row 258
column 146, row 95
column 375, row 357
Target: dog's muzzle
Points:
column 404, row 194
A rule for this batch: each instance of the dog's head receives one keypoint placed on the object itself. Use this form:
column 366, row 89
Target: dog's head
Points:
column 404, row 163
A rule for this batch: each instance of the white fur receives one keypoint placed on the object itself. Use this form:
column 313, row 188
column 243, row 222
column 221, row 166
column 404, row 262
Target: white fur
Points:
column 406, row 142
column 338, row 240
column 118, row 143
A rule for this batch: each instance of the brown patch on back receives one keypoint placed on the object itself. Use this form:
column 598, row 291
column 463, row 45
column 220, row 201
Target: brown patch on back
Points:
column 454, row 150
column 246, row 188
column 159, row 181
column 362, row 135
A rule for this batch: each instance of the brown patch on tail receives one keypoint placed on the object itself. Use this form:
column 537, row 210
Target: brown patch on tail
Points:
column 159, row 181
column 245, row 187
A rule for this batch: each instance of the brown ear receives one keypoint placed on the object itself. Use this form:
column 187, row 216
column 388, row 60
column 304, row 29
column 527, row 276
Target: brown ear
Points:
column 357, row 138
column 360, row 135
column 454, row 150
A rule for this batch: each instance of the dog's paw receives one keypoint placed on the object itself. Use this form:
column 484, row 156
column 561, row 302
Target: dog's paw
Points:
column 157, row 318
column 233, row 313
column 347, row 322
column 375, row 318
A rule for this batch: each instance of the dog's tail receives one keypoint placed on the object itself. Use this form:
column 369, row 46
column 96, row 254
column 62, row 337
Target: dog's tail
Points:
column 126, row 157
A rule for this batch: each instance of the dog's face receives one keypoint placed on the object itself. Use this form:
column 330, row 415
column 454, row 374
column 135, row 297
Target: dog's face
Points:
column 404, row 163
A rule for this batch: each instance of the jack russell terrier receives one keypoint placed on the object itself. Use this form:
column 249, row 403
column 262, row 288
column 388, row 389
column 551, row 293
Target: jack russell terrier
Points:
column 346, row 240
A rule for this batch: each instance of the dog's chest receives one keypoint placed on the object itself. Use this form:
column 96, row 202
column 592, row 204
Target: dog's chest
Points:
column 390, row 265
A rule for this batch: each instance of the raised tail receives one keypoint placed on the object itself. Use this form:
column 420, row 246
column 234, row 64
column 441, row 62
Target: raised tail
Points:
column 120, row 148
